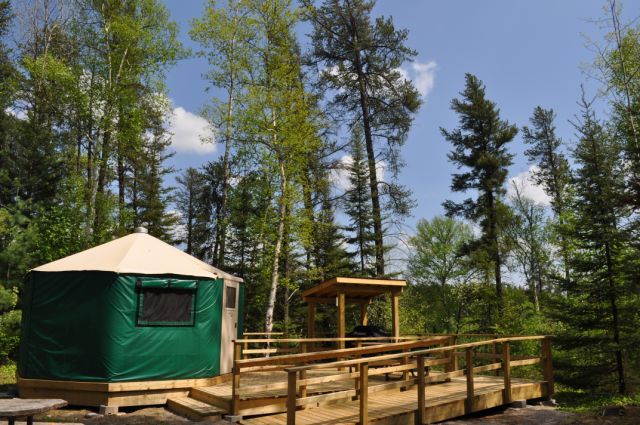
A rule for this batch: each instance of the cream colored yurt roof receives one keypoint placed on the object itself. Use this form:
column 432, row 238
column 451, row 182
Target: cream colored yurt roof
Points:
column 137, row 253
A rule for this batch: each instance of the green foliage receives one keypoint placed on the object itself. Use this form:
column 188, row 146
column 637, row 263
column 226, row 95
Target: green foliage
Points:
column 480, row 144
column 361, row 59
column 9, row 336
column 589, row 402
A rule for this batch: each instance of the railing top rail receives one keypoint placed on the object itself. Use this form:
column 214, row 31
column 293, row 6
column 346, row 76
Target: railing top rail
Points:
column 331, row 354
column 352, row 362
column 350, row 339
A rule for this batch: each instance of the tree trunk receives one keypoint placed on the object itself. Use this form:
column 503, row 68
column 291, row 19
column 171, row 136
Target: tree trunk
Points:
column 278, row 248
column 221, row 219
column 371, row 161
column 622, row 386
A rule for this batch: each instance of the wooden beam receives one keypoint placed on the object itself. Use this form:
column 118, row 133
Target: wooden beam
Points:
column 395, row 313
column 291, row 398
column 506, row 370
column 421, row 392
column 311, row 321
column 364, row 315
column 548, row 366
column 235, row 384
column 468, row 404
column 364, row 394
column 341, row 319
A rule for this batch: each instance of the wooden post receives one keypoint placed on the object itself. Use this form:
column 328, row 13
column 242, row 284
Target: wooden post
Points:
column 395, row 313
column 468, row 404
column 506, row 371
column 495, row 351
column 311, row 322
column 455, row 366
column 235, row 371
column 405, row 373
column 364, row 315
column 357, row 369
column 342, row 305
column 291, row 398
column 421, row 391
column 303, row 388
column 364, row 394
column 548, row 366
column 245, row 347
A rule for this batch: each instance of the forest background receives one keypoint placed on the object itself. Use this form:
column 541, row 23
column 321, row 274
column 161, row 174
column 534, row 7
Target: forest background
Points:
column 296, row 172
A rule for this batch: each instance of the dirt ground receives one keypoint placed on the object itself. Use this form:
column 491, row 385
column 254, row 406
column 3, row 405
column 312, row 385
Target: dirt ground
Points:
column 531, row 415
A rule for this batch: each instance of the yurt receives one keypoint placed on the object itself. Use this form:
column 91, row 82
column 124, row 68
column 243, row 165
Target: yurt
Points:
column 129, row 322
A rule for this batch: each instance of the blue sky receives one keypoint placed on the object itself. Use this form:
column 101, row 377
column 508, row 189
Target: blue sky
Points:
column 528, row 53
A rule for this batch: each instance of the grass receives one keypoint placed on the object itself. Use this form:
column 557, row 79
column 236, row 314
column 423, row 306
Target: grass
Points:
column 585, row 402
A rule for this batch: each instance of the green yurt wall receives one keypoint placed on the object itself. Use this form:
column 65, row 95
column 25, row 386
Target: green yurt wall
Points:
column 89, row 326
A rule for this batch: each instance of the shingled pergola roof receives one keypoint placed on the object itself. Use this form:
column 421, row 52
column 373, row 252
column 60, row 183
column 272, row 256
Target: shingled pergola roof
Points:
column 352, row 290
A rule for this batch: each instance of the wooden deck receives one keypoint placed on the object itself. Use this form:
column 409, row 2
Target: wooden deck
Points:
column 443, row 401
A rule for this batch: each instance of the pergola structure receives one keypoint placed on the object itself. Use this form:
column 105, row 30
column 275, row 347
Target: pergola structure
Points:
column 344, row 290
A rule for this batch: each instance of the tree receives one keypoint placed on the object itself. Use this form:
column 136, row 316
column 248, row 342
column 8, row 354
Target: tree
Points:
column 278, row 122
column 361, row 59
column 480, row 145
column 600, row 305
column 553, row 172
column 187, row 198
column 530, row 238
column 357, row 206
column 225, row 35
column 438, row 269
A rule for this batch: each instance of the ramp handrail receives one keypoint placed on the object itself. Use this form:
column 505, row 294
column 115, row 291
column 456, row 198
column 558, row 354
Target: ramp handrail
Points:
column 297, row 381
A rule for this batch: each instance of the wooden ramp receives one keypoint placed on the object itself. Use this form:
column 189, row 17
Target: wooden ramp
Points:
column 442, row 401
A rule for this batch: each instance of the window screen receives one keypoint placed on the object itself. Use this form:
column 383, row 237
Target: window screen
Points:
column 230, row 302
column 166, row 302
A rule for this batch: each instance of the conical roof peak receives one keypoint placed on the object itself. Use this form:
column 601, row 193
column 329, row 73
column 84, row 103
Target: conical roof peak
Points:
column 137, row 253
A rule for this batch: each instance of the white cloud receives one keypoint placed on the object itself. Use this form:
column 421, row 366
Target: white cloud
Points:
column 16, row 113
column 340, row 175
column 189, row 130
column 423, row 76
column 525, row 183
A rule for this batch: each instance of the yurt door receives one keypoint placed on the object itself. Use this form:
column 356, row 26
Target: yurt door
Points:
column 229, row 325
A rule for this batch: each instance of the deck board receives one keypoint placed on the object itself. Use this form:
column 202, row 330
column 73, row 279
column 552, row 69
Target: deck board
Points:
column 402, row 404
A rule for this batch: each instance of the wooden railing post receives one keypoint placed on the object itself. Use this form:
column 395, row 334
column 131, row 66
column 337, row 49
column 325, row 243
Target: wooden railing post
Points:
column 495, row 351
column 421, row 391
column 303, row 388
column 364, row 394
column 506, row 371
column 245, row 348
column 468, row 404
column 235, row 386
column 454, row 365
column 548, row 365
column 405, row 373
column 291, row 398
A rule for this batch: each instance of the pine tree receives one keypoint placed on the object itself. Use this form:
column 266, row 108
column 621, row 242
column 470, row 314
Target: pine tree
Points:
column 599, row 306
column 187, row 197
column 357, row 206
column 361, row 60
column 480, row 145
column 553, row 172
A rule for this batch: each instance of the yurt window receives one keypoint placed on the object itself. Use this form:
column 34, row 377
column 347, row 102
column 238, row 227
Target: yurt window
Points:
column 166, row 302
column 230, row 302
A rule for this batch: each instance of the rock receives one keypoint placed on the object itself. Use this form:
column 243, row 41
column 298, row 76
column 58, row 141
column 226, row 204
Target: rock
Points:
column 93, row 415
column 614, row 411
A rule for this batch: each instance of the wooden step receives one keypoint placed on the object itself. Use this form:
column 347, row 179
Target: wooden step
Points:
column 195, row 410
column 205, row 396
